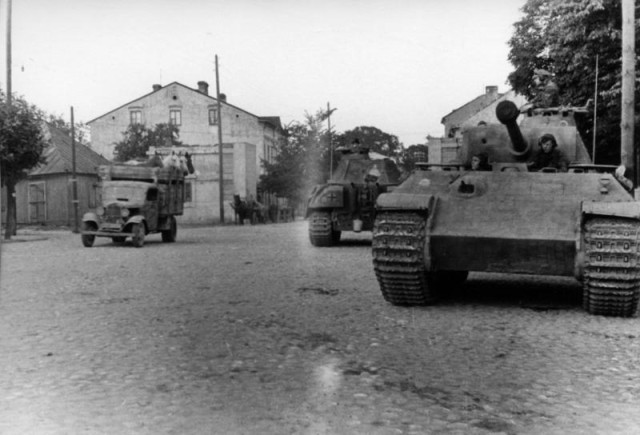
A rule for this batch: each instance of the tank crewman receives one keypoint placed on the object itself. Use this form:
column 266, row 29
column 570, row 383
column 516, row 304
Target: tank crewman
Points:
column 547, row 91
column 480, row 162
column 549, row 156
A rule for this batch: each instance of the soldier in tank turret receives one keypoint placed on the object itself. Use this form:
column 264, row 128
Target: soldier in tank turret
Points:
column 549, row 155
column 480, row 162
column 547, row 91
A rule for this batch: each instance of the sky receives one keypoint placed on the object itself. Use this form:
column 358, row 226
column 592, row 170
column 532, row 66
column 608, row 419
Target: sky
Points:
column 398, row 65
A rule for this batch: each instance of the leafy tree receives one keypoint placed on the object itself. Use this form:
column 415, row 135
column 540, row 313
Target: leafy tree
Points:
column 81, row 129
column 138, row 138
column 301, row 161
column 22, row 143
column 376, row 139
column 565, row 38
column 411, row 155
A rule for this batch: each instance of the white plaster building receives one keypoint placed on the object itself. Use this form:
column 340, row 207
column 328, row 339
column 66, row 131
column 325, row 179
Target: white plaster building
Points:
column 247, row 140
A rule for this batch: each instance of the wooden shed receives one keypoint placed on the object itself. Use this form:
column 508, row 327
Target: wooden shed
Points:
column 46, row 196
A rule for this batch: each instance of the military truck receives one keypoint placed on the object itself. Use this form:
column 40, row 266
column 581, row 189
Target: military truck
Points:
column 443, row 222
column 136, row 201
column 347, row 201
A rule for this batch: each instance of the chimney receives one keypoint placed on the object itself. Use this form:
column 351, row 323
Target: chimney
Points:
column 491, row 90
column 156, row 87
column 223, row 97
column 203, row 87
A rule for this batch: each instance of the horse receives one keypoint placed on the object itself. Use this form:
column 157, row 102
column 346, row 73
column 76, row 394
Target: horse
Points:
column 171, row 160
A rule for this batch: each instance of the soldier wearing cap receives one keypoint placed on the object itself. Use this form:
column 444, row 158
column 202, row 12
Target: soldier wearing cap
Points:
column 547, row 92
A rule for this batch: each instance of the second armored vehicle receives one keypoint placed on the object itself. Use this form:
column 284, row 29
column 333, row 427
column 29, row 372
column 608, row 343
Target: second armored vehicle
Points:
column 346, row 202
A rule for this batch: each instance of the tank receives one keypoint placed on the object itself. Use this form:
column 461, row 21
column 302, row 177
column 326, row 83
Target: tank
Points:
column 347, row 201
column 444, row 221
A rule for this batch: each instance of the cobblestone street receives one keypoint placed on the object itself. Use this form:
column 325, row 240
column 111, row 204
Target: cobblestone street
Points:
column 251, row 330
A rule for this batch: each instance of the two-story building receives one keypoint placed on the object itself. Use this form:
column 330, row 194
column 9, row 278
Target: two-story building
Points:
column 247, row 139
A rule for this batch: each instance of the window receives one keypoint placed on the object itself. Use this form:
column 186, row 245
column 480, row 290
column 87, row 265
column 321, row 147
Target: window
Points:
column 135, row 117
column 175, row 117
column 213, row 116
column 188, row 192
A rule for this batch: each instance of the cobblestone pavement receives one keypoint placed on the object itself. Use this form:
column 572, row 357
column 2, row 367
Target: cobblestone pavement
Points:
column 250, row 330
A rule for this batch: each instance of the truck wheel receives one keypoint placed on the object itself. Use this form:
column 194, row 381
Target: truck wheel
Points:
column 137, row 235
column 320, row 229
column 87, row 239
column 169, row 236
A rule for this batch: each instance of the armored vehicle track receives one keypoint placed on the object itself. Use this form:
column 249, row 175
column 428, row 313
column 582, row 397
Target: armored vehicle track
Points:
column 398, row 258
column 612, row 272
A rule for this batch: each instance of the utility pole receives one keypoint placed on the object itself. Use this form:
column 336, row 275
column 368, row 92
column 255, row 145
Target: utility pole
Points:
column 329, row 111
column 595, row 114
column 74, row 179
column 9, row 53
column 628, row 155
column 220, row 158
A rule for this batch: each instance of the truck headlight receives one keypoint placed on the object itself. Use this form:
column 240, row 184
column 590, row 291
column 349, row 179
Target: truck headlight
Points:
column 124, row 212
column 100, row 211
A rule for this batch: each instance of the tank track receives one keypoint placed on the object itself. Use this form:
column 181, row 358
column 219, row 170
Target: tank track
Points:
column 320, row 229
column 398, row 247
column 612, row 269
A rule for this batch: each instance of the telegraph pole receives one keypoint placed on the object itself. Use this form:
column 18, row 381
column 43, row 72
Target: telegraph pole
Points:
column 628, row 155
column 74, row 179
column 220, row 158
column 329, row 111
column 9, row 53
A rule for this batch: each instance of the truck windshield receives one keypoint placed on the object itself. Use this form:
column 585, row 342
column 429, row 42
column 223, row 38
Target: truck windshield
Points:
column 113, row 192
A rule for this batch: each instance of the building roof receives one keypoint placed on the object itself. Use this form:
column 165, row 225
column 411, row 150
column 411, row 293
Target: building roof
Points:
column 59, row 156
column 475, row 105
column 272, row 120
column 158, row 89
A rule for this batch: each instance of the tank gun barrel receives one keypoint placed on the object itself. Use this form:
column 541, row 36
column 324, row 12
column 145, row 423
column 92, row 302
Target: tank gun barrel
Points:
column 507, row 113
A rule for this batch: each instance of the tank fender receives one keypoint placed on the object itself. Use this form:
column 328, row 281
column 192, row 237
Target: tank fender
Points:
column 328, row 196
column 630, row 209
column 404, row 201
column 90, row 217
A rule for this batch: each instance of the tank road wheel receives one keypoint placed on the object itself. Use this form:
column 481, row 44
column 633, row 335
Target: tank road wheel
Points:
column 611, row 284
column 398, row 259
column 320, row 229
column 169, row 236
column 137, row 235
column 87, row 240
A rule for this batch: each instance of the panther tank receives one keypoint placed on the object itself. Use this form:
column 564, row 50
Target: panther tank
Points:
column 347, row 201
column 443, row 222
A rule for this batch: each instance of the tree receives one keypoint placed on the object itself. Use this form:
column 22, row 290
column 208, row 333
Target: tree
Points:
column 81, row 129
column 22, row 143
column 301, row 161
column 565, row 38
column 376, row 139
column 411, row 155
column 138, row 138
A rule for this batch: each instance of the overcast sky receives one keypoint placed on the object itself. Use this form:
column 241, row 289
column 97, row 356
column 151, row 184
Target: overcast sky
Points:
column 398, row 65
